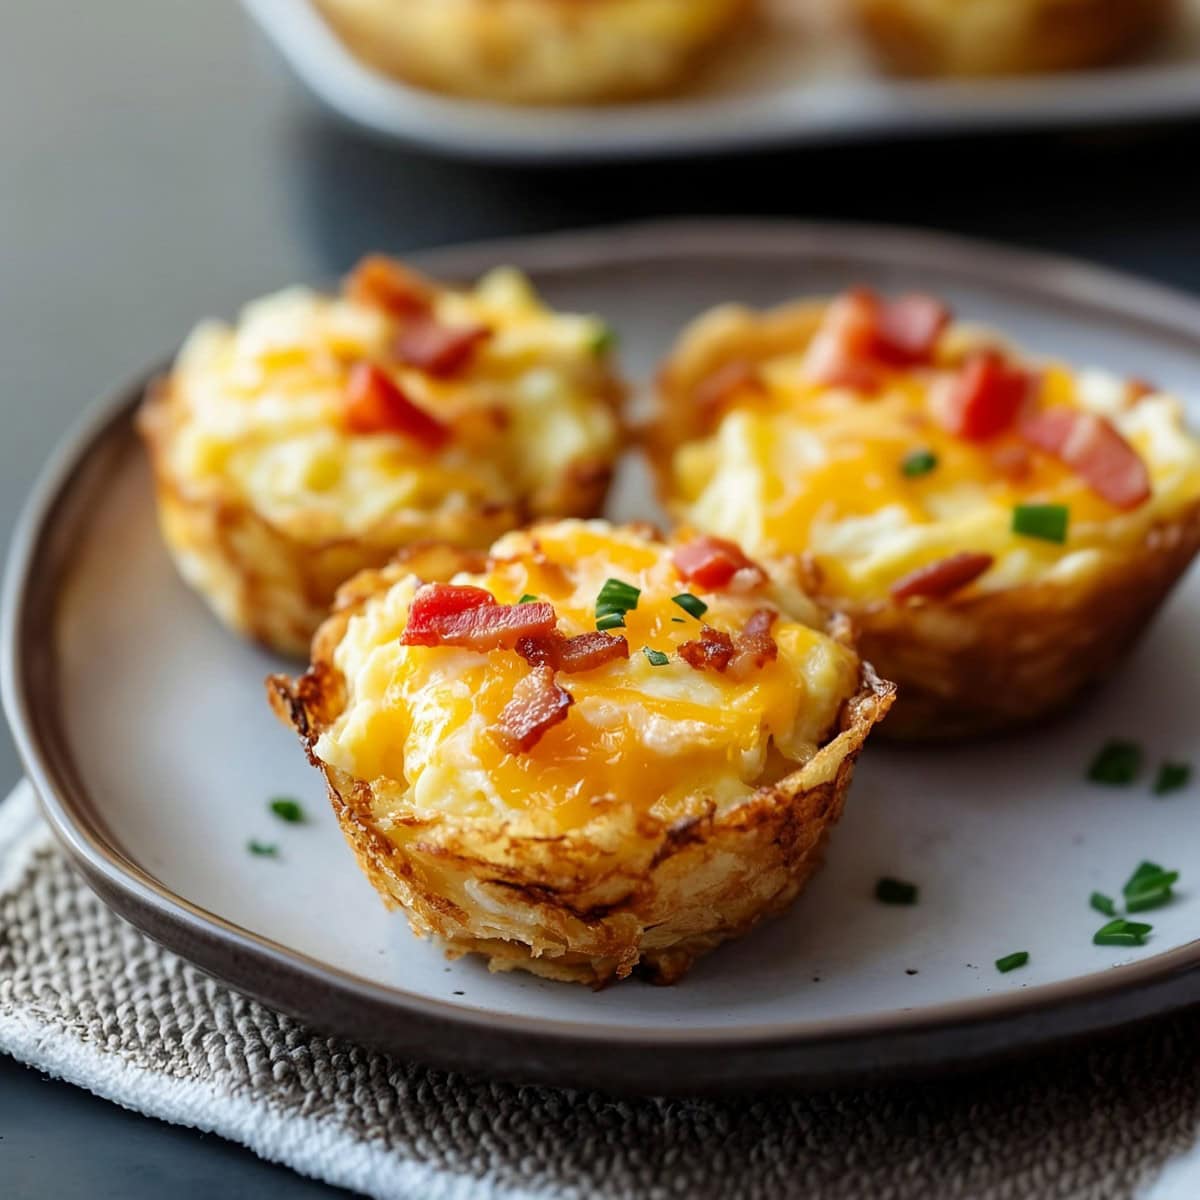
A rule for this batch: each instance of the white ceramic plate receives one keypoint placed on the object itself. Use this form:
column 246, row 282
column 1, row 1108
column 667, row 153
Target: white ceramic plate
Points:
column 804, row 80
column 144, row 727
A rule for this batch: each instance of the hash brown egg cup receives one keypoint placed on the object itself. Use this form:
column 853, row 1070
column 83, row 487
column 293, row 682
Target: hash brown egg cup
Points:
column 575, row 759
column 323, row 433
column 998, row 530
column 1005, row 37
column 538, row 51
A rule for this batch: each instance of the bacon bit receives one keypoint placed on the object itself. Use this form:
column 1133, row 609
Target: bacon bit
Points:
column 382, row 282
column 841, row 352
column 754, row 647
column 437, row 349
column 537, row 704
column 714, row 391
column 584, row 652
column 985, row 397
column 713, row 650
column 942, row 578
column 711, row 562
column 1095, row 450
column 861, row 332
column 909, row 328
column 374, row 404
column 443, row 614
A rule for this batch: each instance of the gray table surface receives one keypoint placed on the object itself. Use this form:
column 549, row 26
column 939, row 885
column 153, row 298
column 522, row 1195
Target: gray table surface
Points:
column 156, row 165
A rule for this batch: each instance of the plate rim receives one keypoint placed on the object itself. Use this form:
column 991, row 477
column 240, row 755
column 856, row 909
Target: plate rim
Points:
column 798, row 113
column 621, row 1057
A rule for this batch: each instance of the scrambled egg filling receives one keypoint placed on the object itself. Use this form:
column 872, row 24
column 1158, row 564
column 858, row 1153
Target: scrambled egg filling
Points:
column 662, row 739
column 259, row 408
column 796, row 467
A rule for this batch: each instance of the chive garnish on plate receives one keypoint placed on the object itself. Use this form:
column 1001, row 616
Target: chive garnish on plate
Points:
column 1149, row 887
column 1117, row 763
column 918, row 462
column 527, row 598
column 1171, row 777
column 1103, row 904
column 657, row 657
column 690, row 604
column 1122, row 933
column 1045, row 521
column 1010, row 962
column 895, row 891
column 287, row 809
column 616, row 598
column 263, row 849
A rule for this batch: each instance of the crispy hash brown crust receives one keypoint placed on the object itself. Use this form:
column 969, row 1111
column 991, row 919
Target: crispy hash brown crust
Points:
column 963, row 666
column 593, row 904
column 538, row 51
column 912, row 38
column 275, row 588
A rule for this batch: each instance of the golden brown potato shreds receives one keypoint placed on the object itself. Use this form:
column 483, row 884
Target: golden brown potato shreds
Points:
column 539, row 51
column 593, row 904
column 1005, row 37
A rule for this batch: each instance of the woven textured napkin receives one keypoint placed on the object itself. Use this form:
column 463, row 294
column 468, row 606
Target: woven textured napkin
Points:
column 85, row 997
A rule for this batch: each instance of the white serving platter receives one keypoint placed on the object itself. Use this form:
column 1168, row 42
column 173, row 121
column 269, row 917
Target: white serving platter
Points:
column 144, row 727
column 802, row 79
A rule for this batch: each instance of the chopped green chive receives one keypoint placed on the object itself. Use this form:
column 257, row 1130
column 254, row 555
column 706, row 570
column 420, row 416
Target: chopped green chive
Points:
column 657, row 657
column 1045, row 521
column 1103, row 904
column 1122, row 933
column 263, row 849
column 918, row 462
column 1117, row 763
column 1010, row 962
column 1149, row 887
column 616, row 598
column 287, row 809
column 678, row 621
column 895, row 891
column 603, row 340
column 527, row 598
column 1146, row 873
column 690, row 604
column 1171, row 777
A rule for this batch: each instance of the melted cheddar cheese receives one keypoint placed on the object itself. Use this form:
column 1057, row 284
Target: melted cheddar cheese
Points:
column 662, row 739
column 794, row 467
column 259, row 409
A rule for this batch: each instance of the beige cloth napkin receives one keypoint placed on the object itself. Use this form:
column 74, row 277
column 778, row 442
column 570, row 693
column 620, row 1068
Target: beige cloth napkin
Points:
column 85, row 997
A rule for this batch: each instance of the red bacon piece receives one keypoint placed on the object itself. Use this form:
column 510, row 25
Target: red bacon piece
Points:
column 942, row 578
column 711, row 562
column 584, row 652
column 754, row 647
column 842, row 352
column 444, row 614
column 537, row 704
column 1095, row 450
column 375, row 404
column 382, row 282
column 985, row 397
column 860, row 332
column 437, row 349
column 909, row 328
column 712, row 651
